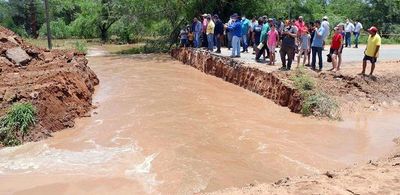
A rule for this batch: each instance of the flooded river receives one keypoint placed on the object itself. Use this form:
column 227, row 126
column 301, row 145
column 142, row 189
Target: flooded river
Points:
column 165, row 128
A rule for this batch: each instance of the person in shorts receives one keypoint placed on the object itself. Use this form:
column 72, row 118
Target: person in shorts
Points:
column 372, row 50
column 273, row 38
column 305, row 47
column 336, row 46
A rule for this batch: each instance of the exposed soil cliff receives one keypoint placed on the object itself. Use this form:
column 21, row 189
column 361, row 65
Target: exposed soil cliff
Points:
column 266, row 84
column 58, row 83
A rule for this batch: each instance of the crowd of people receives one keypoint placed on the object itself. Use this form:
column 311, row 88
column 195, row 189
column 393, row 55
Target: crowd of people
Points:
column 291, row 36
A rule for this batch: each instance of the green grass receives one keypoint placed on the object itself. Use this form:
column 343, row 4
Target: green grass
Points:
column 17, row 123
column 315, row 102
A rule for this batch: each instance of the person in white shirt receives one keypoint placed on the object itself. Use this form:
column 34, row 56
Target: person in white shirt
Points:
column 348, row 29
column 325, row 25
column 357, row 31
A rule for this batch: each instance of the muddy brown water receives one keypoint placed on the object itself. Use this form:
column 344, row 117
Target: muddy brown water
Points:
column 165, row 128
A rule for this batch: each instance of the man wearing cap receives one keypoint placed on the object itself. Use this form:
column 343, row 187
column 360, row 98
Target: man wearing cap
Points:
column 325, row 25
column 300, row 24
column 218, row 32
column 236, row 29
column 372, row 50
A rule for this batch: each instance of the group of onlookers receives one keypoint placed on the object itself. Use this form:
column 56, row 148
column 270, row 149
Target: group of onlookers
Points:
column 265, row 34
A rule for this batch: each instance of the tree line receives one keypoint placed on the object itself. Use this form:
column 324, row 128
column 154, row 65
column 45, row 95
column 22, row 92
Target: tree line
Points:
column 130, row 20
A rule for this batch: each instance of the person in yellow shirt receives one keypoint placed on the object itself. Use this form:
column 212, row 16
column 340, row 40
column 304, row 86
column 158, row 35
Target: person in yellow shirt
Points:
column 210, row 33
column 372, row 50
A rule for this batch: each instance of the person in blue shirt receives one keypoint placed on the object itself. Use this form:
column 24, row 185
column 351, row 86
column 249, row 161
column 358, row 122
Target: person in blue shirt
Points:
column 236, row 29
column 245, row 33
column 317, row 45
column 197, row 29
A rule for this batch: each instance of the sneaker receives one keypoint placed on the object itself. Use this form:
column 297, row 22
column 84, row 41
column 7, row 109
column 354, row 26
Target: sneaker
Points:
column 238, row 56
column 218, row 51
column 282, row 68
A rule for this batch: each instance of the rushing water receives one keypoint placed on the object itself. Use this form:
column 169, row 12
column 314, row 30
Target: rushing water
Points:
column 165, row 128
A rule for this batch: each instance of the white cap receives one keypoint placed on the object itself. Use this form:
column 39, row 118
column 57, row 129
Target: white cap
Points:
column 325, row 18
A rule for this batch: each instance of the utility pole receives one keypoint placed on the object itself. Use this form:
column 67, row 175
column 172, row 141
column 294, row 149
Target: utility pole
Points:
column 46, row 5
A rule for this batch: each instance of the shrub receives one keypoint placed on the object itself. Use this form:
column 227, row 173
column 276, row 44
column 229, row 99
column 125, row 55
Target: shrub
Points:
column 315, row 102
column 151, row 46
column 321, row 105
column 81, row 46
column 302, row 80
column 59, row 29
column 18, row 120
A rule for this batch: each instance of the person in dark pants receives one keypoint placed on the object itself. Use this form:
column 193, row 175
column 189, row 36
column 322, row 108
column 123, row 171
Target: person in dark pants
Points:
column 264, row 39
column 288, row 45
column 317, row 45
column 204, row 29
column 218, row 32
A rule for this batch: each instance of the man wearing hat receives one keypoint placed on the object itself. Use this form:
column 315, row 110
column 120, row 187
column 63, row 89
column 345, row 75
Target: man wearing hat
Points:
column 325, row 25
column 236, row 29
column 372, row 50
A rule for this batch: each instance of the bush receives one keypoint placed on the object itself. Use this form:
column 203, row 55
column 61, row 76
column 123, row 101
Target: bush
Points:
column 17, row 121
column 321, row 105
column 314, row 102
column 302, row 80
column 80, row 46
column 151, row 46
column 59, row 29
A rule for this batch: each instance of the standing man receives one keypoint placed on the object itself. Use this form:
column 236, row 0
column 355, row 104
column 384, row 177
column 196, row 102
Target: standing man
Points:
column 348, row 28
column 236, row 29
column 317, row 45
column 218, row 32
column 327, row 30
column 229, row 33
column 197, row 29
column 245, row 33
column 210, row 34
column 204, row 29
column 263, row 40
column 300, row 24
column 357, row 31
column 372, row 50
column 288, row 45
column 253, row 24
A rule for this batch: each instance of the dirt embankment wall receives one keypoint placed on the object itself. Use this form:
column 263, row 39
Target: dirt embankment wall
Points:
column 58, row 83
column 266, row 84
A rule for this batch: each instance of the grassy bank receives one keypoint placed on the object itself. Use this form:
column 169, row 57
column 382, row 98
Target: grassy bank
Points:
column 315, row 102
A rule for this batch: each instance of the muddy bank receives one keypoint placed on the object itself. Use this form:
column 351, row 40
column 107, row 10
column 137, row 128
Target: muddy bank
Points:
column 361, row 93
column 58, row 83
column 266, row 84
column 375, row 177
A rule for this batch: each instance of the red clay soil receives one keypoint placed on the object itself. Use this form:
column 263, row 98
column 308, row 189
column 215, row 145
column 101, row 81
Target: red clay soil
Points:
column 266, row 84
column 58, row 83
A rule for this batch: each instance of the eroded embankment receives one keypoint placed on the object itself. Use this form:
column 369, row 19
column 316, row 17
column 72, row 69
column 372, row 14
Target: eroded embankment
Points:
column 266, row 84
column 58, row 83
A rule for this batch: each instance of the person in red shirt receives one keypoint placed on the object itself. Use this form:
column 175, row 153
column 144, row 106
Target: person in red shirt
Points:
column 300, row 24
column 336, row 46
